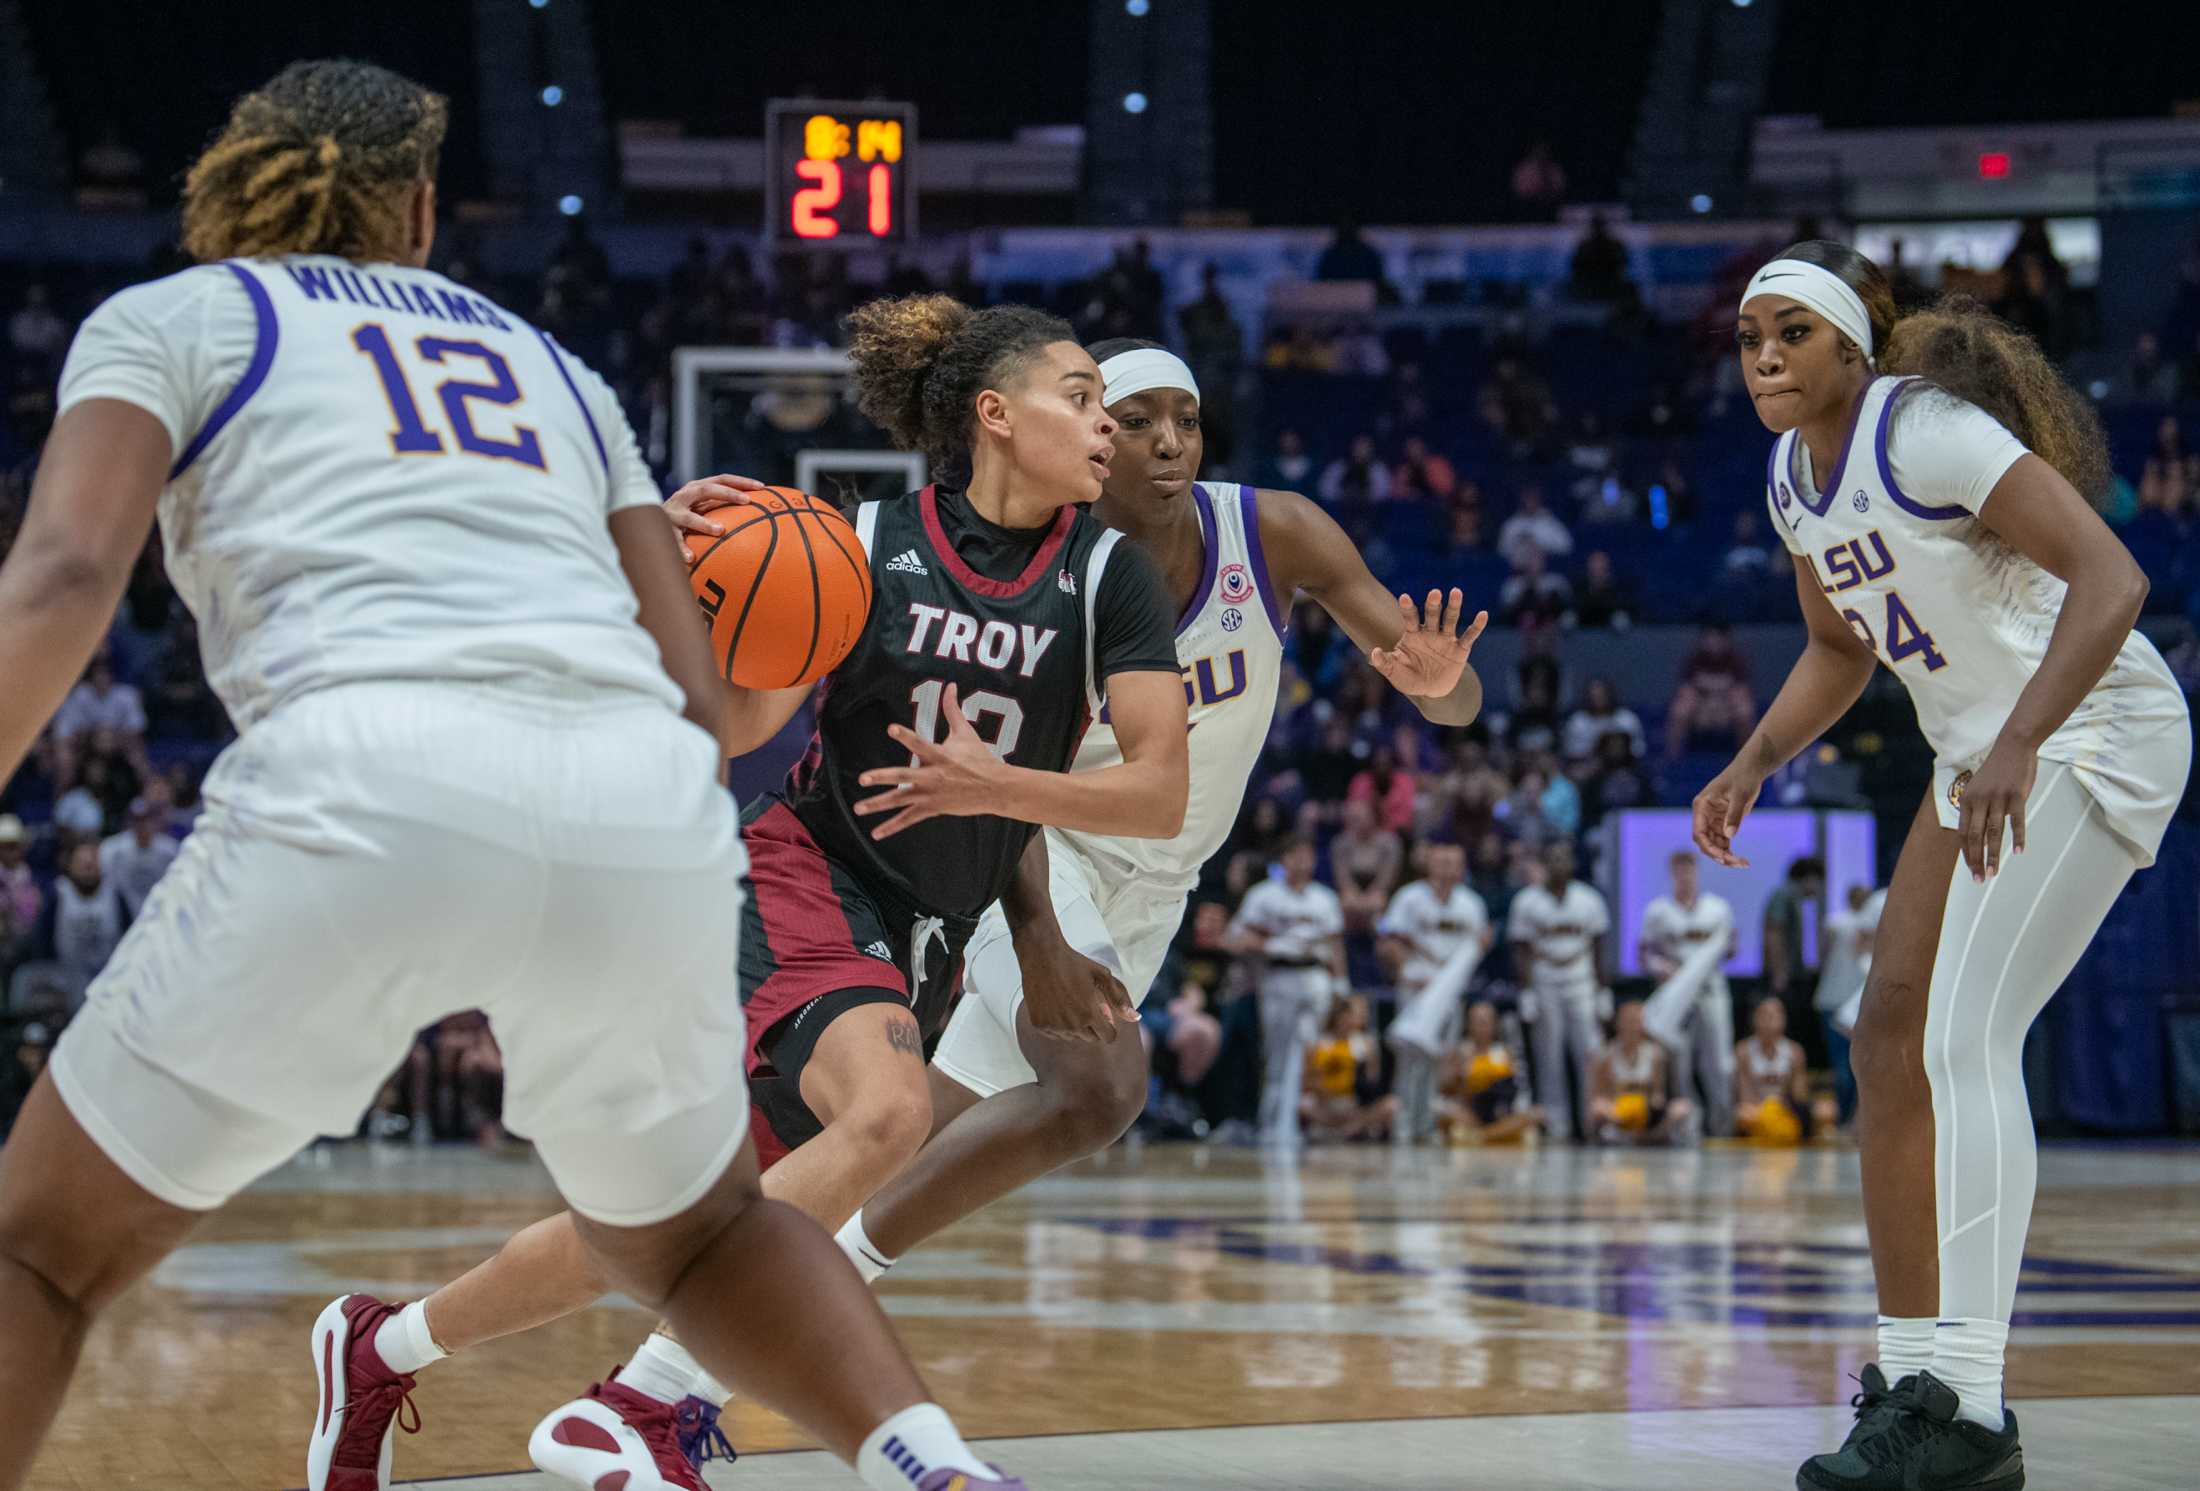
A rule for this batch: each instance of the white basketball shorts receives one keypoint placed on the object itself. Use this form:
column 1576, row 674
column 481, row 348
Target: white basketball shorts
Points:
column 1123, row 923
column 375, row 857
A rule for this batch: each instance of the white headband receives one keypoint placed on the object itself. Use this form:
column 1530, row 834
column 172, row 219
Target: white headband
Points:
column 1822, row 290
column 1143, row 368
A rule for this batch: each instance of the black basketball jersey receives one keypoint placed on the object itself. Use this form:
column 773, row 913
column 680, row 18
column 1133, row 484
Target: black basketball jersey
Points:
column 1020, row 652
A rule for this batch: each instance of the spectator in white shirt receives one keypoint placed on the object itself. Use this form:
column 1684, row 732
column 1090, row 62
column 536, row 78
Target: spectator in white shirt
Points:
column 136, row 858
column 1534, row 526
column 1601, row 714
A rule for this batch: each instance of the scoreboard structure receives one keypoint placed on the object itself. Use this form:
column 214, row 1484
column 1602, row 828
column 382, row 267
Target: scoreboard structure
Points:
column 839, row 174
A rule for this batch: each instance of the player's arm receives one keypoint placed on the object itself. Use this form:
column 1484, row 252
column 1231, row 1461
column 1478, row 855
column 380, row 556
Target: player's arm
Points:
column 1395, row 936
column 1420, row 651
column 1827, row 679
column 91, row 509
column 1650, row 949
column 2040, row 515
column 1517, row 941
column 1144, row 797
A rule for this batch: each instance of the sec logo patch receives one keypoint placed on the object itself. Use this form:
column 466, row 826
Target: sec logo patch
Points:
column 1860, row 502
column 1232, row 619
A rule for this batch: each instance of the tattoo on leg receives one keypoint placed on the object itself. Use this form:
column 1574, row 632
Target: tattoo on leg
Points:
column 903, row 1035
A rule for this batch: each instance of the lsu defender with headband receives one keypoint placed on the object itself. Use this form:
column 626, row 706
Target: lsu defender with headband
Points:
column 1823, row 291
column 1143, row 369
column 1120, row 900
column 1924, row 530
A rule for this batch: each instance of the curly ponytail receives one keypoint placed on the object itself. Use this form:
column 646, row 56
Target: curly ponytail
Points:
column 319, row 161
column 922, row 360
column 1965, row 349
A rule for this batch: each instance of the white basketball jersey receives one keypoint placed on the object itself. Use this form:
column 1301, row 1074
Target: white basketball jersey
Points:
column 1961, row 617
column 1229, row 647
column 1674, row 930
column 1561, row 933
column 1432, row 928
column 378, row 475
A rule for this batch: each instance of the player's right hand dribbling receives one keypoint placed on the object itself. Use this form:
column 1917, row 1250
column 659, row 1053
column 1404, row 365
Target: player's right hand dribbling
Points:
column 705, row 494
column 1719, row 811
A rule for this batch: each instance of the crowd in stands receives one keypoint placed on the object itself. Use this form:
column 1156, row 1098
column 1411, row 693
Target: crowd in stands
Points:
column 1591, row 477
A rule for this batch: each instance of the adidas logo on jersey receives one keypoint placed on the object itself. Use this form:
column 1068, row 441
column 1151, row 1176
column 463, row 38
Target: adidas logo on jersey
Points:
column 907, row 562
column 880, row 949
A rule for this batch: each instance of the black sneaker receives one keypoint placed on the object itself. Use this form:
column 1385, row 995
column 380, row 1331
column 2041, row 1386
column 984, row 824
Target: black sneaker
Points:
column 1917, row 1443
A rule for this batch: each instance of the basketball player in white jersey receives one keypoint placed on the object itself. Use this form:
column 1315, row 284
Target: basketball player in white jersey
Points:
column 1933, row 479
column 462, row 777
column 1556, row 930
column 1427, row 928
column 1294, row 925
column 1672, row 927
column 1036, row 1069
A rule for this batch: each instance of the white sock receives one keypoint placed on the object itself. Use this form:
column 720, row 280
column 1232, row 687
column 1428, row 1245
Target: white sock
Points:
column 861, row 1251
column 1905, row 1345
column 663, row 1369
column 1967, row 1355
column 910, row 1446
column 403, row 1341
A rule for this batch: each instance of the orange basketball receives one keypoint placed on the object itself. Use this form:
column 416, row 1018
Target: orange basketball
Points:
column 786, row 588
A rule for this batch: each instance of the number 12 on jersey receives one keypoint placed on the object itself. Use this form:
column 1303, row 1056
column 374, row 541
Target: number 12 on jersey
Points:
column 975, row 706
column 412, row 436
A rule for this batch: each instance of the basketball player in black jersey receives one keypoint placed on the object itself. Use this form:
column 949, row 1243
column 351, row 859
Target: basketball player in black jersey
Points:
column 1002, row 617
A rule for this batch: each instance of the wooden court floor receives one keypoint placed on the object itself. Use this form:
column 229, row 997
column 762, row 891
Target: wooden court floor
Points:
column 1178, row 1288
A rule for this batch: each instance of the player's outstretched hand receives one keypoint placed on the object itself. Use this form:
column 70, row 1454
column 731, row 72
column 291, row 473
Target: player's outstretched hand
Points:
column 1993, row 807
column 956, row 777
column 687, row 506
column 1432, row 653
column 1720, row 809
column 1070, row 997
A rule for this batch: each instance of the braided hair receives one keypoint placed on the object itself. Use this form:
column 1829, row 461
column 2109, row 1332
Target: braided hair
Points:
column 922, row 360
column 320, row 160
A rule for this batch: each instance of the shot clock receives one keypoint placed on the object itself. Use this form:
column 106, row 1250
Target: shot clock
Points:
column 839, row 175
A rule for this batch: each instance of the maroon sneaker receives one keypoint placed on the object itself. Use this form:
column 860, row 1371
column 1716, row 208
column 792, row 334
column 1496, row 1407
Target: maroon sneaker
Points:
column 616, row 1439
column 362, row 1402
